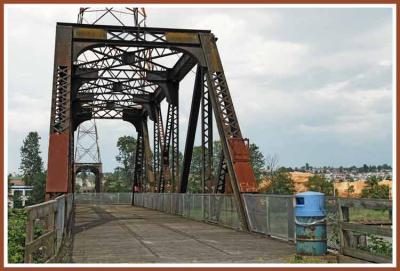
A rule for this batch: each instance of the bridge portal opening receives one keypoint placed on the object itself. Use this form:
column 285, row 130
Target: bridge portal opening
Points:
column 114, row 172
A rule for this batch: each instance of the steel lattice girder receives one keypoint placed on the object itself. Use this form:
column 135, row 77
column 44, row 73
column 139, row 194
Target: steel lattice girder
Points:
column 125, row 72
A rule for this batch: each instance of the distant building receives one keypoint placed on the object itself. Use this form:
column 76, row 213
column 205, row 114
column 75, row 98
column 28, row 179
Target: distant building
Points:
column 85, row 186
column 18, row 192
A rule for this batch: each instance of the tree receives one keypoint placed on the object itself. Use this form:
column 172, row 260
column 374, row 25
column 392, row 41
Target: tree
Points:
column 281, row 183
column 320, row 184
column 349, row 178
column 116, row 182
column 194, row 182
column 126, row 157
column 350, row 190
column 271, row 163
column 257, row 161
column 374, row 189
column 37, row 195
column 31, row 162
column 32, row 168
column 217, row 150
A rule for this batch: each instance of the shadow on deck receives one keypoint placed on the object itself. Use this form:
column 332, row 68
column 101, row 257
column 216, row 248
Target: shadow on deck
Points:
column 127, row 234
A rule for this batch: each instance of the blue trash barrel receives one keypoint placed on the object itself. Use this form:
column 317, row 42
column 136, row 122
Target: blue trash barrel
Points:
column 310, row 218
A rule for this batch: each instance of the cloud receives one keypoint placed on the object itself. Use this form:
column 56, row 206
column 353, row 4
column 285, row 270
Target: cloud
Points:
column 311, row 84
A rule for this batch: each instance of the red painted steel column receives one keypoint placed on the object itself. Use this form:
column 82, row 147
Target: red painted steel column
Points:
column 59, row 170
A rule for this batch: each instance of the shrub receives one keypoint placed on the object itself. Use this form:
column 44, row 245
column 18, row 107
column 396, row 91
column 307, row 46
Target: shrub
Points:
column 16, row 235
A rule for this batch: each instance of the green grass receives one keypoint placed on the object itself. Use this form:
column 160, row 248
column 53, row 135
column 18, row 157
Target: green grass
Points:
column 312, row 259
column 361, row 214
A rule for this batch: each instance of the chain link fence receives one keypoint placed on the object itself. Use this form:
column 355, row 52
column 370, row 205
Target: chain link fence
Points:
column 103, row 198
column 272, row 215
column 219, row 209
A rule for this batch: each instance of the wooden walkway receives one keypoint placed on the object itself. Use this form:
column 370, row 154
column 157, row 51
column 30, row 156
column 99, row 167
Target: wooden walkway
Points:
column 126, row 234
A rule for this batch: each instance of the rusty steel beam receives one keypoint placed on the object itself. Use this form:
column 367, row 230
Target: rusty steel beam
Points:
column 191, row 131
column 120, row 74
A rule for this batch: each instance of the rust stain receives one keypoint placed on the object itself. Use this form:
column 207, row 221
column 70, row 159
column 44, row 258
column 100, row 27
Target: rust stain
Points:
column 90, row 33
column 58, row 165
column 182, row 37
column 241, row 165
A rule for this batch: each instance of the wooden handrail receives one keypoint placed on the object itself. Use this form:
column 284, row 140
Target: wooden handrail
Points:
column 54, row 227
column 347, row 228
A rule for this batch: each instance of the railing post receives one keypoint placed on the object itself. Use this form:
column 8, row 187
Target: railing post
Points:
column 28, row 238
column 343, row 217
column 209, row 207
column 291, row 228
column 268, row 215
column 170, row 200
column 60, row 220
column 202, row 207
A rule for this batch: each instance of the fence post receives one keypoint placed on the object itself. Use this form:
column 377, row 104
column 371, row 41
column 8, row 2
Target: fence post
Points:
column 203, row 212
column 268, row 215
column 183, row 204
column 60, row 216
column 209, row 208
column 343, row 217
column 291, row 227
column 171, row 211
column 28, row 238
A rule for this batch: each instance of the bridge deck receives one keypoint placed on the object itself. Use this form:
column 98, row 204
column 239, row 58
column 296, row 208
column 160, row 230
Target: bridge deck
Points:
column 126, row 234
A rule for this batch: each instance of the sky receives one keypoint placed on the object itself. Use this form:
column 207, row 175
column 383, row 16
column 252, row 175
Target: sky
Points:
column 309, row 85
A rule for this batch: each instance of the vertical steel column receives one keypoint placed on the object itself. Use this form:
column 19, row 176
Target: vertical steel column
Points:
column 165, row 176
column 226, row 119
column 222, row 171
column 156, row 157
column 60, row 159
column 175, row 149
column 148, row 157
column 206, row 139
column 159, row 144
column 192, row 126
column 138, row 176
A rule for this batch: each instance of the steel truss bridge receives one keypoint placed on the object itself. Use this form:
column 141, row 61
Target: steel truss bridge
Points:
column 122, row 72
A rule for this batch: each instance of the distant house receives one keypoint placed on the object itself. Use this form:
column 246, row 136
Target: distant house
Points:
column 18, row 192
column 341, row 188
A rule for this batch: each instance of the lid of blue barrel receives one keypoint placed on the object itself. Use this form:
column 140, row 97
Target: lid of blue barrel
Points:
column 310, row 204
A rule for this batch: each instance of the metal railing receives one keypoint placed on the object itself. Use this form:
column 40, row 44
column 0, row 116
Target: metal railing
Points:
column 272, row 215
column 219, row 209
column 103, row 198
column 269, row 214
column 46, row 228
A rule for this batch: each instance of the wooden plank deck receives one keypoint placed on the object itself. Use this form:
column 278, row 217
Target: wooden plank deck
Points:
column 127, row 234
